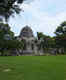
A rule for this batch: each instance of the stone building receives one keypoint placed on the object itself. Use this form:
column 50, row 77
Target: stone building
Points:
column 31, row 44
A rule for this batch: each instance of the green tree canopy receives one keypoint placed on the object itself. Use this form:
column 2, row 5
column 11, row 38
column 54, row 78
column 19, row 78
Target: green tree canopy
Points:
column 61, row 35
column 61, row 29
column 46, row 41
column 8, row 7
column 5, row 30
column 8, row 40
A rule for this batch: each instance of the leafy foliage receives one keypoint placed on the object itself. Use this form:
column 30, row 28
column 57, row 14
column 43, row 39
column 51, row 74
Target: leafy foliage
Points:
column 8, row 7
column 61, row 29
column 7, row 39
column 46, row 41
column 61, row 35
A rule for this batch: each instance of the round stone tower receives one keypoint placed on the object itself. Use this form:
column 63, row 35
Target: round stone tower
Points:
column 30, row 44
column 26, row 32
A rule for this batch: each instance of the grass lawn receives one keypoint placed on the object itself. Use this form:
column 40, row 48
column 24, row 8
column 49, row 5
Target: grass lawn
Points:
column 33, row 68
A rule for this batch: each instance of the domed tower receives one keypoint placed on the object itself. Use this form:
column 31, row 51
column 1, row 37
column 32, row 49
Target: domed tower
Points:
column 30, row 43
column 26, row 32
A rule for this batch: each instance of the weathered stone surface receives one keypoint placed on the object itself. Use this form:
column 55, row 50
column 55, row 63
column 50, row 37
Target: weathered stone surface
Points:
column 26, row 32
column 30, row 44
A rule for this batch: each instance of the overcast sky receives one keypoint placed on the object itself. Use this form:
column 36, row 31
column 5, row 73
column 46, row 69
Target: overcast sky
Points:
column 41, row 15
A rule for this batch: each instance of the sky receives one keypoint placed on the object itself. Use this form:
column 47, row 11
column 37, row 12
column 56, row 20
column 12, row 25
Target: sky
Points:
column 41, row 15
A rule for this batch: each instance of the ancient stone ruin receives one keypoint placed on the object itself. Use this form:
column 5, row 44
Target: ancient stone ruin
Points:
column 31, row 44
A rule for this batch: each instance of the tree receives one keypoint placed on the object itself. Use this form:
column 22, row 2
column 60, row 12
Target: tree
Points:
column 46, row 41
column 61, row 35
column 7, row 39
column 5, row 35
column 5, row 31
column 61, row 30
column 40, row 35
column 8, row 7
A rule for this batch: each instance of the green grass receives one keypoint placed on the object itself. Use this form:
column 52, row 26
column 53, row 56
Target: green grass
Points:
column 33, row 68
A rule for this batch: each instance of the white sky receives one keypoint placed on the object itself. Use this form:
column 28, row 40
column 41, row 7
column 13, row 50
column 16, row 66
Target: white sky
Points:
column 41, row 15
